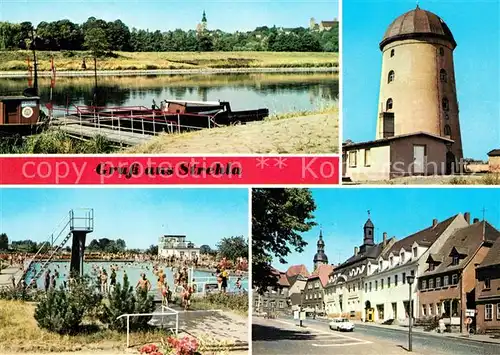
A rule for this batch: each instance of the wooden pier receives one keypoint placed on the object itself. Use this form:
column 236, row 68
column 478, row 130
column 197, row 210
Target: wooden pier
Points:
column 73, row 126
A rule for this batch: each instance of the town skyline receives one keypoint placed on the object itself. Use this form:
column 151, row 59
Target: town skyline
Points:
column 143, row 216
column 340, row 237
column 188, row 14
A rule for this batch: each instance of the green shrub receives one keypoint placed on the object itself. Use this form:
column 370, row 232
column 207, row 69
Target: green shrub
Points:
column 122, row 300
column 62, row 311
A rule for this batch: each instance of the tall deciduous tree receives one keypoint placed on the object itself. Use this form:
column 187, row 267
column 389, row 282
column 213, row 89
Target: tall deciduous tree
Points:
column 4, row 241
column 278, row 218
column 96, row 42
column 233, row 248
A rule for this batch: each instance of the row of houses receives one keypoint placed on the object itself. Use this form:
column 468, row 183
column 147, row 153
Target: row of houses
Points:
column 455, row 265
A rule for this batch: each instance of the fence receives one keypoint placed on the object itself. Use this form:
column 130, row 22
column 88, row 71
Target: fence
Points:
column 169, row 312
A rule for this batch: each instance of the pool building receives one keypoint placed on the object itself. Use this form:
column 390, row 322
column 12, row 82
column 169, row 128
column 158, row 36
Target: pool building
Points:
column 178, row 247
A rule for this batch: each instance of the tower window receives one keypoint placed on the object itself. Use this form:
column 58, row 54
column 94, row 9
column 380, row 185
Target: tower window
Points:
column 447, row 130
column 446, row 104
column 441, row 51
column 392, row 53
column 391, row 76
column 388, row 105
column 443, row 76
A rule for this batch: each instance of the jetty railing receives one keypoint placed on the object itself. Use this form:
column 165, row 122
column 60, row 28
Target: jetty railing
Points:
column 169, row 312
column 134, row 119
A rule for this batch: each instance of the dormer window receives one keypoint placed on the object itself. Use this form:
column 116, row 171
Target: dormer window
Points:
column 380, row 265
column 402, row 256
column 392, row 260
column 455, row 260
column 432, row 266
column 415, row 252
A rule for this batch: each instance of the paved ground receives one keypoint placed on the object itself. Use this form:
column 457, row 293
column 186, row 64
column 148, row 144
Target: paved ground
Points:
column 6, row 275
column 217, row 327
column 284, row 336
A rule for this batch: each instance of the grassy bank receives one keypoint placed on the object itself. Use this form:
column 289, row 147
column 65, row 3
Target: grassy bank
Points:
column 72, row 61
column 227, row 302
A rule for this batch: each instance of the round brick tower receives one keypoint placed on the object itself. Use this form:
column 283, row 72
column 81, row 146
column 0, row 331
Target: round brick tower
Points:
column 417, row 86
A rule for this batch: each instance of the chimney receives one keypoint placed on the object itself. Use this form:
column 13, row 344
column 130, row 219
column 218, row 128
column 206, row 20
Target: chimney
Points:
column 385, row 239
column 356, row 251
column 476, row 220
column 434, row 222
column 467, row 217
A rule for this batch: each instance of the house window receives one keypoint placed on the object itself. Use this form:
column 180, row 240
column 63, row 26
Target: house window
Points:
column 265, row 303
column 431, row 267
column 281, row 304
column 443, row 76
column 415, row 252
column 446, row 104
column 431, row 283
column 446, row 280
column 424, row 284
column 424, row 310
column 395, row 280
column 382, row 284
column 412, row 273
column 454, row 279
column 392, row 53
column 381, row 265
column 487, row 283
column 488, row 312
column 388, row 282
column 370, row 287
column 392, row 261
column 367, row 157
column 447, row 130
column 376, row 285
column 438, row 282
column 431, row 309
column 391, row 76
column 498, row 311
column 455, row 260
column 366, row 287
column 404, row 278
column 441, row 51
column 349, row 288
column 353, row 159
column 388, row 105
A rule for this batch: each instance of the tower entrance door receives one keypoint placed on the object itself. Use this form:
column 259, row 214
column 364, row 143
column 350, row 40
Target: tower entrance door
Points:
column 418, row 159
column 450, row 163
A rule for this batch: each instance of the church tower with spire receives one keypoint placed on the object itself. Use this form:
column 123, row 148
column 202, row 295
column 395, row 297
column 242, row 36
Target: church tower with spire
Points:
column 202, row 26
column 320, row 256
column 368, row 234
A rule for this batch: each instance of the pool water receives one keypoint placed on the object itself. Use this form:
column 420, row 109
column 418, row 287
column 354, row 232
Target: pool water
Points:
column 133, row 270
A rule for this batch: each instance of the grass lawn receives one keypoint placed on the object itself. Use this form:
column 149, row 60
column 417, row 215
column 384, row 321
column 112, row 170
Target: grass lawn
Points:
column 297, row 133
column 71, row 61
column 19, row 333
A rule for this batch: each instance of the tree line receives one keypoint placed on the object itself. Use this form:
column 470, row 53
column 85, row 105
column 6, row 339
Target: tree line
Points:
column 104, row 37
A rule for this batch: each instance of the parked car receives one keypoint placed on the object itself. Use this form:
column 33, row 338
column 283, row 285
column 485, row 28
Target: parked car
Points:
column 342, row 324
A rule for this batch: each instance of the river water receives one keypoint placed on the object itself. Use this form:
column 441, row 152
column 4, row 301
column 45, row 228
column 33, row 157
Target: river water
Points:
column 280, row 93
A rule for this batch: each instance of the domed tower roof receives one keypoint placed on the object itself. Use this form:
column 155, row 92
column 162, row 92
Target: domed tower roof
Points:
column 416, row 24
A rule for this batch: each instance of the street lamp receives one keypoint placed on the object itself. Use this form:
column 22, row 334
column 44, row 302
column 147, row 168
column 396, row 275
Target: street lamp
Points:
column 410, row 279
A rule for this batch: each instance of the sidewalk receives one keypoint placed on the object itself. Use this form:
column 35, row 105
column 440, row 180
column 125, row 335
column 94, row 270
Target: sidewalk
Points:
column 6, row 275
column 475, row 337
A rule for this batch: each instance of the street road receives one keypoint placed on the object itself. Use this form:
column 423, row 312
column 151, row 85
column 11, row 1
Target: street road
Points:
column 284, row 336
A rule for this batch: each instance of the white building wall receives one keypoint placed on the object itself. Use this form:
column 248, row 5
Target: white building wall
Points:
column 377, row 168
column 400, row 293
column 184, row 253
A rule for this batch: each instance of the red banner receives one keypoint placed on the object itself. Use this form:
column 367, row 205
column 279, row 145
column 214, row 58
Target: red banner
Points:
column 139, row 170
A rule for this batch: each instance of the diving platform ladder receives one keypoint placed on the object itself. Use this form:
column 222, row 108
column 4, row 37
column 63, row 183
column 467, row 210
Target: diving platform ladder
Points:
column 78, row 224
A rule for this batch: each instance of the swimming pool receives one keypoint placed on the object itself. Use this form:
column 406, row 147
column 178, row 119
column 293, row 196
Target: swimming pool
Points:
column 133, row 270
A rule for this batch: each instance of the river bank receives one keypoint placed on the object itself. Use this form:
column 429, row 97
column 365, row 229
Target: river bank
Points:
column 137, row 72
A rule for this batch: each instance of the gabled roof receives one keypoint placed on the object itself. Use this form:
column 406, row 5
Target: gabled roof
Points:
column 493, row 256
column 467, row 240
column 423, row 237
column 322, row 272
column 434, row 257
column 295, row 270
